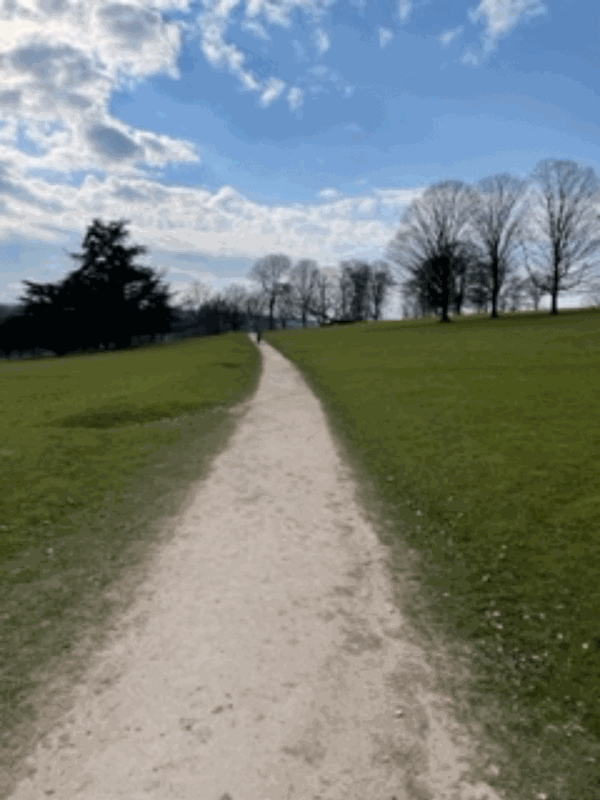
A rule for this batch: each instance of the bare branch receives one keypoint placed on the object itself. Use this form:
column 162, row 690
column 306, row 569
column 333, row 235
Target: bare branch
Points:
column 496, row 224
column 268, row 272
column 430, row 245
column 563, row 240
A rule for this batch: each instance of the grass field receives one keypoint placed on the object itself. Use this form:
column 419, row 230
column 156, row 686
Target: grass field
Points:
column 479, row 441
column 96, row 452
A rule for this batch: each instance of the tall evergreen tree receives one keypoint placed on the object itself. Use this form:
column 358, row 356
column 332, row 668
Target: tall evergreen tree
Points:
column 108, row 300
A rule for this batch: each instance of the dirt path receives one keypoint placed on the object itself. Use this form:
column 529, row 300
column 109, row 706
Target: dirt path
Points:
column 264, row 659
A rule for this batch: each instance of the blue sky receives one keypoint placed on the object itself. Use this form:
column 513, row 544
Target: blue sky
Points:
column 227, row 130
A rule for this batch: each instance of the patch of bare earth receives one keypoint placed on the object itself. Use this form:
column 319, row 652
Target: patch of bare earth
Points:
column 264, row 658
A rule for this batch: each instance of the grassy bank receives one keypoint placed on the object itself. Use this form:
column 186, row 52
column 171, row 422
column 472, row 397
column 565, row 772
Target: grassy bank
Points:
column 96, row 452
column 479, row 442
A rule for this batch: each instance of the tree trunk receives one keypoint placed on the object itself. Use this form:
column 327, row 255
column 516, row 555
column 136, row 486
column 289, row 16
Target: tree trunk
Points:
column 494, row 302
column 271, row 307
column 495, row 288
column 445, row 289
column 555, row 282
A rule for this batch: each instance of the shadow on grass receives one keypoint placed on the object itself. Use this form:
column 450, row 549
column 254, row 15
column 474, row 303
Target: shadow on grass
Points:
column 112, row 416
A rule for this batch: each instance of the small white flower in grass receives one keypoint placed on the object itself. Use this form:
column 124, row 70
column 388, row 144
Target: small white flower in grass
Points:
column 541, row 796
column 419, row 513
column 585, row 645
column 559, row 636
column 485, row 578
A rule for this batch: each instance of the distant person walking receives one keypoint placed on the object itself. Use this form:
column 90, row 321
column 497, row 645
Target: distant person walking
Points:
column 258, row 334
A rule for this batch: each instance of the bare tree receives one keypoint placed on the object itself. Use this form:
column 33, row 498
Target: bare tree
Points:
column 355, row 286
column 496, row 224
column 421, row 297
column 565, row 218
column 196, row 296
column 269, row 271
column 255, row 307
column 531, row 289
column 479, row 290
column 303, row 279
column 323, row 301
column 235, row 297
column 432, row 235
column 381, row 281
column 532, row 292
column 284, row 304
column 469, row 258
column 344, row 291
column 513, row 293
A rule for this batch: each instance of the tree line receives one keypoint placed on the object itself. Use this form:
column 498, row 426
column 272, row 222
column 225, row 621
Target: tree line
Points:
column 485, row 246
column 110, row 303
column 499, row 240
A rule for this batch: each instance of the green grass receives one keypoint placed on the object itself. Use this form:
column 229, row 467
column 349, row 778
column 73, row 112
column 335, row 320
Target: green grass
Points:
column 479, row 441
column 96, row 453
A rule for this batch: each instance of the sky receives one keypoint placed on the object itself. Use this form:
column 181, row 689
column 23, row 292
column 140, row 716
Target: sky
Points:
column 225, row 130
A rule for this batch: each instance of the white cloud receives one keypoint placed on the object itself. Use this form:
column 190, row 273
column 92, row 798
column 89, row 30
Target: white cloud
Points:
column 255, row 28
column 448, row 36
column 59, row 71
column 272, row 91
column 329, row 194
column 249, row 81
column 404, row 9
column 385, row 37
column 501, row 16
column 295, row 98
column 469, row 57
column 322, row 41
column 320, row 74
column 192, row 222
column 214, row 20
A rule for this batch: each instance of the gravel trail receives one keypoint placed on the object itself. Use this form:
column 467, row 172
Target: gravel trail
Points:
column 264, row 658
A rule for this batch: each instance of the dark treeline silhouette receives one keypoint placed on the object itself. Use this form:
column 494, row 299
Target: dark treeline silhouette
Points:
column 107, row 303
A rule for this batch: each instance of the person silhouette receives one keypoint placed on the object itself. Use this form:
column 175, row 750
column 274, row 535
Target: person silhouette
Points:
column 258, row 334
